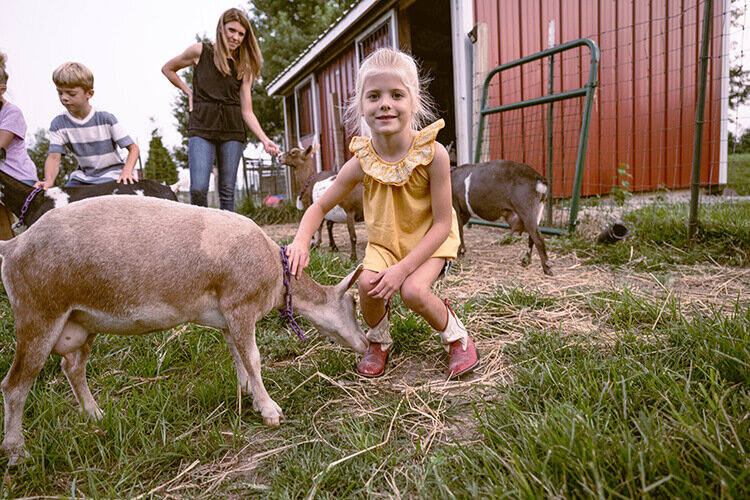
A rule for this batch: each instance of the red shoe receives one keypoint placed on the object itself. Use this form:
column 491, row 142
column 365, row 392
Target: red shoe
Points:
column 462, row 361
column 373, row 362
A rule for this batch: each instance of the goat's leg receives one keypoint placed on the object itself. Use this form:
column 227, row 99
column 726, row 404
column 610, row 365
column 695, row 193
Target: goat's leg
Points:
column 74, row 366
column 242, row 330
column 352, row 235
column 317, row 237
column 526, row 260
column 535, row 237
column 32, row 350
column 243, row 379
column 462, row 246
column 331, row 243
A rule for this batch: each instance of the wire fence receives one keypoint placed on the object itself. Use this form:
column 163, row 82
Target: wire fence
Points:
column 642, row 135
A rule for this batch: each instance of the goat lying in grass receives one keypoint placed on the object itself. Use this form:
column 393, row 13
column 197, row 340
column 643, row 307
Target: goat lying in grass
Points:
column 502, row 189
column 128, row 265
column 301, row 160
column 13, row 194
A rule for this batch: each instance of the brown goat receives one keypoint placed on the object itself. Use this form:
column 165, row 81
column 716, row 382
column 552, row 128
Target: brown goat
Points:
column 302, row 161
column 128, row 265
column 502, row 189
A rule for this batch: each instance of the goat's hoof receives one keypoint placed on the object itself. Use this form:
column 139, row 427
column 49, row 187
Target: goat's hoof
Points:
column 16, row 456
column 548, row 271
column 526, row 261
column 334, row 248
column 272, row 422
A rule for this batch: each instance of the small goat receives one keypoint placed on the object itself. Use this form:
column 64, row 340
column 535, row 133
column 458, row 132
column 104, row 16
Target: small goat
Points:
column 502, row 189
column 301, row 160
column 128, row 265
column 13, row 194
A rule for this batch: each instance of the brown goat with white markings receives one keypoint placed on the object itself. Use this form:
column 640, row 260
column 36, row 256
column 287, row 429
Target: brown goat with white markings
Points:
column 302, row 161
column 128, row 265
column 502, row 189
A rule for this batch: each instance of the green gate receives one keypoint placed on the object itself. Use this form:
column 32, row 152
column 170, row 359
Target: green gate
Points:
column 562, row 209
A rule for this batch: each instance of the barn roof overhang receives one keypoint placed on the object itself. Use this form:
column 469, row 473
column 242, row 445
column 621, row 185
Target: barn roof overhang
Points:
column 310, row 57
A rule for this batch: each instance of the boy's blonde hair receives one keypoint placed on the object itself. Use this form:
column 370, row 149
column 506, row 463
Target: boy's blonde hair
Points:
column 387, row 60
column 249, row 60
column 3, row 73
column 73, row 74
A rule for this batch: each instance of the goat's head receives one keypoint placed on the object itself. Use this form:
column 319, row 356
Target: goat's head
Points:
column 339, row 320
column 299, row 157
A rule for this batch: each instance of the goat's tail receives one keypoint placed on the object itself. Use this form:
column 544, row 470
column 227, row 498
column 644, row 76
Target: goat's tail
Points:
column 542, row 189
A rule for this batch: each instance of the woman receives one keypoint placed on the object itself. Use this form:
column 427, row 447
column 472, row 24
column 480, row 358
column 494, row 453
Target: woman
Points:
column 219, row 103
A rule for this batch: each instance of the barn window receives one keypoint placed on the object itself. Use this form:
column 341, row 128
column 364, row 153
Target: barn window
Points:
column 305, row 112
column 381, row 33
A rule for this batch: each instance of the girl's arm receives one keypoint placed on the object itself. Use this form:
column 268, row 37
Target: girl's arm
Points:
column 391, row 278
column 246, row 101
column 299, row 251
column 6, row 136
column 189, row 57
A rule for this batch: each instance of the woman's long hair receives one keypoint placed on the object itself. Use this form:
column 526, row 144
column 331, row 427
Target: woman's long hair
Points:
column 247, row 58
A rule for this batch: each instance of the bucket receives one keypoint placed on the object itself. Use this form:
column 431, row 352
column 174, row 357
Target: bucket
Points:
column 613, row 233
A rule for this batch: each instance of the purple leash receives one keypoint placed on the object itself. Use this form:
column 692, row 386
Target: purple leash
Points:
column 25, row 207
column 288, row 313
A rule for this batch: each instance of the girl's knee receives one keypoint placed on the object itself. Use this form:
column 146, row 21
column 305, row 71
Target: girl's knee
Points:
column 414, row 296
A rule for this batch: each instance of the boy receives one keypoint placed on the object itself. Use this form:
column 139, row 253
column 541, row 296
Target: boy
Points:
column 90, row 134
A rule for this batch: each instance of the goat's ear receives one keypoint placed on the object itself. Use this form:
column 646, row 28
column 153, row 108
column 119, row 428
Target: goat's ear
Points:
column 308, row 150
column 316, row 148
column 347, row 282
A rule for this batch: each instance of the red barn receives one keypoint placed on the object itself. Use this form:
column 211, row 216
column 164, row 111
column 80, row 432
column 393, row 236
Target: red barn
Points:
column 643, row 118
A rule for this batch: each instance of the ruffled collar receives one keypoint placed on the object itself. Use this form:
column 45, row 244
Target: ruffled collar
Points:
column 421, row 153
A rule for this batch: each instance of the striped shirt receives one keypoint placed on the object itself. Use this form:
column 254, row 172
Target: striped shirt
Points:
column 93, row 141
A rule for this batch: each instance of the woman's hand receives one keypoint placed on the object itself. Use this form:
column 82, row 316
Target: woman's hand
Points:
column 298, row 256
column 190, row 100
column 389, row 281
column 270, row 147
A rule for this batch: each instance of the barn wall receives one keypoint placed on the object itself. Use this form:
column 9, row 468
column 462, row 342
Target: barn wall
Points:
column 644, row 115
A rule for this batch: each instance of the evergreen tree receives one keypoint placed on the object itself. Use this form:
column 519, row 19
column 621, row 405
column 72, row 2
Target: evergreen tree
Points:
column 160, row 166
column 38, row 153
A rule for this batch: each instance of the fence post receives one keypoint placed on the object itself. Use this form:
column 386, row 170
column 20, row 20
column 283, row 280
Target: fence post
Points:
column 699, row 113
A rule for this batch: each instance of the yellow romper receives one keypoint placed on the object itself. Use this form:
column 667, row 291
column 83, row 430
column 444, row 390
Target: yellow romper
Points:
column 397, row 202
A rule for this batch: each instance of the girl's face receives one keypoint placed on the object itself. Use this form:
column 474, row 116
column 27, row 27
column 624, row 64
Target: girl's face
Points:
column 234, row 33
column 386, row 104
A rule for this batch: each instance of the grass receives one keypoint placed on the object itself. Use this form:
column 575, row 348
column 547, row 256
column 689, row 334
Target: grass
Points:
column 262, row 214
column 738, row 173
column 650, row 401
column 659, row 238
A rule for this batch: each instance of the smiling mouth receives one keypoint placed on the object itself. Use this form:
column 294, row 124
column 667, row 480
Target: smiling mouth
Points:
column 386, row 117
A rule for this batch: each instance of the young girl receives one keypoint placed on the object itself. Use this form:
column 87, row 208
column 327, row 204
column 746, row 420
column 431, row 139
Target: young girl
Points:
column 219, row 102
column 411, row 227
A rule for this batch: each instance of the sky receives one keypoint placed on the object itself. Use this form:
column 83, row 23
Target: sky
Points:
column 125, row 43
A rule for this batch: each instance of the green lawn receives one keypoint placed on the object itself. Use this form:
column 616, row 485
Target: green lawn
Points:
column 738, row 173
column 647, row 397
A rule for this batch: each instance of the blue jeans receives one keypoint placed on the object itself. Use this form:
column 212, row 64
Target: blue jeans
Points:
column 201, row 154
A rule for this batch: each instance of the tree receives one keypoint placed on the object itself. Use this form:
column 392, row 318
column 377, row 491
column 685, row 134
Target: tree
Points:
column 739, row 77
column 38, row 152
column 160, row 166
column 284, row 29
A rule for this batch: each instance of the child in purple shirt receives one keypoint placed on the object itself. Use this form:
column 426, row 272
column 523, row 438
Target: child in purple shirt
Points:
column 12, row 136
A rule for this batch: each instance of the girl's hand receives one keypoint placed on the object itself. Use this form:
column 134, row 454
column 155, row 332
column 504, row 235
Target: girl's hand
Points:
column 389, row 281
column 299, row 258
column 270, row 147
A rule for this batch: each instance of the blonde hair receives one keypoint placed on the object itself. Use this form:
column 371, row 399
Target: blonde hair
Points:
column 387, row 60
column 3, row 73
column 73, row 74
column 248, row 60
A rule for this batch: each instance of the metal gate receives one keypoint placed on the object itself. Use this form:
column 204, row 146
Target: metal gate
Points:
column 539, row 128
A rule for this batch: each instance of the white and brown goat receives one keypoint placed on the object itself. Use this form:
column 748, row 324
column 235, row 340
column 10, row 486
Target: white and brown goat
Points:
column 128, row 265
column 306, row 179
column 502, row 189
